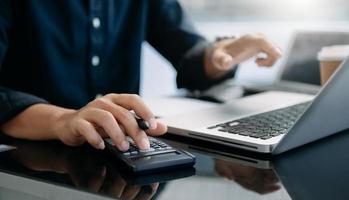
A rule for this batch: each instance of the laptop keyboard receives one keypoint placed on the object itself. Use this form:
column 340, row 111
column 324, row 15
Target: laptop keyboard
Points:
column 264, row 125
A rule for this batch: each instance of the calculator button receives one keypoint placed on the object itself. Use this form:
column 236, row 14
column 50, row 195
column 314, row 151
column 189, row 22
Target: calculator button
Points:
column 152, row 139
column 132, row 150
column 109, row 142
column 127, row 153
column 157, row 152
column 146, row 150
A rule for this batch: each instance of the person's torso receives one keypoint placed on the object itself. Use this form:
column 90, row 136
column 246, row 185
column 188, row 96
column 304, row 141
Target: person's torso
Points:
column 69, row 51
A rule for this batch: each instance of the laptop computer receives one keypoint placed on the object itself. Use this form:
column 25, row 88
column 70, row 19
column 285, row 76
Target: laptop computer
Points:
column 271, row 122
column 299, row 72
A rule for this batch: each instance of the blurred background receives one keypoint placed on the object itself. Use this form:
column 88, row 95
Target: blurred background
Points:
column 277, row 19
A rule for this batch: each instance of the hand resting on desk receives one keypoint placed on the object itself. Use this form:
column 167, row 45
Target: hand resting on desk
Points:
column 107, row 116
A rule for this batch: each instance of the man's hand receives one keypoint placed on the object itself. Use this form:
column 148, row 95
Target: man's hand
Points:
column 109, row 116
column 226, row 54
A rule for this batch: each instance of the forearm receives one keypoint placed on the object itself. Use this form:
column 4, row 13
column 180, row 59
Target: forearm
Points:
column 37, row 122
column 108, row 116
column 196, row 71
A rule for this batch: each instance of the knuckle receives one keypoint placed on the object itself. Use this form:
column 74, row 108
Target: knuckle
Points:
column 83, row 127
column 246, row 37
column 135, row 97
column 110, row 95
column 80, row 124
column 125, row 114
column 99, row 101
column 258, row 37
column 278, row 55
column 215, row 55
column 107, row 116
column 137, row 136
column 87, row 111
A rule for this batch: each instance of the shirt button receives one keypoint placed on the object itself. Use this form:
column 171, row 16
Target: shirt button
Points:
column 96, row 22
column 95, row 61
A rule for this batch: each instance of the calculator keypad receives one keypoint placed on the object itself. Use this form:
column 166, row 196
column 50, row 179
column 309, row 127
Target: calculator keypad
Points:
column 156, row 147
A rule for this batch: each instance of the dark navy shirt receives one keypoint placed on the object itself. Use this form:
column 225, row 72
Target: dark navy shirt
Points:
column 67, row 51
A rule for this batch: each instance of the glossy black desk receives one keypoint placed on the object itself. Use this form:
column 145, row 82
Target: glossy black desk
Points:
column 50, row 170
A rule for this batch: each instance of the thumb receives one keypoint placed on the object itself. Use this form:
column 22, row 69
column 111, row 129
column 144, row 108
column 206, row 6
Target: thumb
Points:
column 222, row 60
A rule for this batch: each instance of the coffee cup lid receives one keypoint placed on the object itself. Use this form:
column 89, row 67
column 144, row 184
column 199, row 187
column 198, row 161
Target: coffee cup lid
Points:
column 333, row 53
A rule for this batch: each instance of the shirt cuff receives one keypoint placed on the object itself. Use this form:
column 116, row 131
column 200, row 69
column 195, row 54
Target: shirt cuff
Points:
column 12, row 103
column 192, row 75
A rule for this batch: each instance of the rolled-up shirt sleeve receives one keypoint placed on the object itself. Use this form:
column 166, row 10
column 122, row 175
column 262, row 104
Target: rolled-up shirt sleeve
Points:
column 11, row 102
column 193, row 75
column 172, row 34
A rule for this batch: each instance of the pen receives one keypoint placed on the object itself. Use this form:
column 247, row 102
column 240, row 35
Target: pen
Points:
column 142, row 124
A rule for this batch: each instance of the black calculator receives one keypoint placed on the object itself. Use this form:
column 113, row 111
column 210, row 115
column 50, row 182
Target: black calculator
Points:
column 159, row 157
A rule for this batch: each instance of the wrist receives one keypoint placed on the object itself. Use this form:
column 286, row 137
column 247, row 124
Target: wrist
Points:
column 211, row 70
column 59, row 122
column 217, row 61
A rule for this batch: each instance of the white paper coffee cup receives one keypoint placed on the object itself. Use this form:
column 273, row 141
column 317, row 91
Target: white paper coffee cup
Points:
column 330, row 58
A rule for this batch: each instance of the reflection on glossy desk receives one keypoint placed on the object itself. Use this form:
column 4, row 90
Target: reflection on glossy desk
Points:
column 50, row 170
